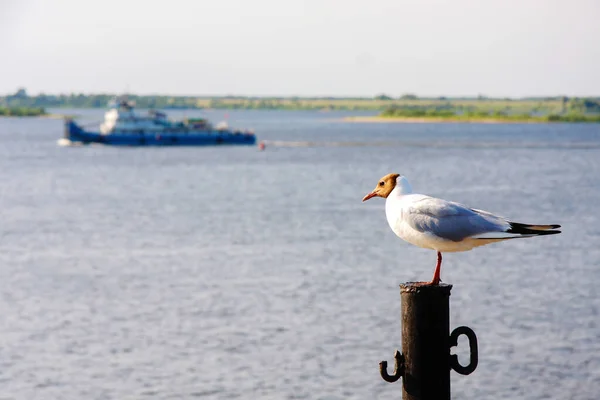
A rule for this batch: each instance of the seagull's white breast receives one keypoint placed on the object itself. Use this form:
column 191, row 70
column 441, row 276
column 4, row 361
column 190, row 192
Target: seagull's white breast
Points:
column 395, row 208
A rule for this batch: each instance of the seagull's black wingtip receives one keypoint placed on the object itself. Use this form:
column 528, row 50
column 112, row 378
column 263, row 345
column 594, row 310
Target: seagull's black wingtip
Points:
column 527, row 229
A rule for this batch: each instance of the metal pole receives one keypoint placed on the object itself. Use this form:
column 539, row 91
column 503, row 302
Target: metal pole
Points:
column 425, row 361
column 425, row 341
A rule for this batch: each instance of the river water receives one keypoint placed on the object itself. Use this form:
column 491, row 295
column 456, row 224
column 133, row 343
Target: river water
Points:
column 227, row 272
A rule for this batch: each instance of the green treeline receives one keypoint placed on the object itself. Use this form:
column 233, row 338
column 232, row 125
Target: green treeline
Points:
column 194, row 102
column 22, row 111
column 564, row 110
column 80, row 100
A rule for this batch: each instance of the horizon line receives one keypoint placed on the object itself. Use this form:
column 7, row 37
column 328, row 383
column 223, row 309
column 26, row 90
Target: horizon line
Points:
column 308, row 97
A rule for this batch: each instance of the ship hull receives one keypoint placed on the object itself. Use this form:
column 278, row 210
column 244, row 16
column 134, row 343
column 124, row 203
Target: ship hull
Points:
column 77, row 135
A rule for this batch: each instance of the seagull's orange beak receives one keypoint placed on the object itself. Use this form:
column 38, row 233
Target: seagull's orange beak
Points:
column 369, row 196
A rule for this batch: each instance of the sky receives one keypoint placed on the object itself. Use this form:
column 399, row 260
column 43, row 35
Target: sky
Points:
column 508, row 48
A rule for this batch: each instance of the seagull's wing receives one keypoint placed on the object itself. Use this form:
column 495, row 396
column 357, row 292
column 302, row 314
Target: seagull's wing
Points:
column 456, row 222
column 452, row 221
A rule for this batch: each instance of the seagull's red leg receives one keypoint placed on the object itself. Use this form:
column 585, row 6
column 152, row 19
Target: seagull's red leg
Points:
column 436, row 275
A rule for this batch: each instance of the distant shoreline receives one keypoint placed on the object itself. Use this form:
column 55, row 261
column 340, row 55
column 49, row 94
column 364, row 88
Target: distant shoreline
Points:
column 425, row 120
column 48, row 116
column 56, row 116
column 455, row 119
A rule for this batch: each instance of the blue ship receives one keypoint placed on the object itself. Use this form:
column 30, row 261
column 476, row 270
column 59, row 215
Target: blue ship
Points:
column 123, row 127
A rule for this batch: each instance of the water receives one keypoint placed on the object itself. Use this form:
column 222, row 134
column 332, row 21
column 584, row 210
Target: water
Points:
column 226, row 273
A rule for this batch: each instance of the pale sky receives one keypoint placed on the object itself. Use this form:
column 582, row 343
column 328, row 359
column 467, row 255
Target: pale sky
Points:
column 306, row 48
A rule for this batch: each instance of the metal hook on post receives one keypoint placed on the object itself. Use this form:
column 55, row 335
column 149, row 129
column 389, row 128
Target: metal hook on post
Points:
column 398, row 368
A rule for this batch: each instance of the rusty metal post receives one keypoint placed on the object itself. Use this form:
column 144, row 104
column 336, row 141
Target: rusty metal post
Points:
column 425, row 361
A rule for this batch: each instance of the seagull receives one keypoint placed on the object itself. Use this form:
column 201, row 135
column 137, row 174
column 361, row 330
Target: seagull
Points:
column 445, row 226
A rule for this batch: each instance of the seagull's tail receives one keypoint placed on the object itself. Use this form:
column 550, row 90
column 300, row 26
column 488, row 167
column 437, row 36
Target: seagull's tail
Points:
column 517, row 230
column 535, row 230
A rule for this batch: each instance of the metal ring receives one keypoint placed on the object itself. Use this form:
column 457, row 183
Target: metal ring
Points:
column 474, row 356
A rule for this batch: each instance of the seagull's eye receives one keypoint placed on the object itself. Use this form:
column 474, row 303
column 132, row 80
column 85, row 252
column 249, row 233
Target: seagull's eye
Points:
column 381, row 183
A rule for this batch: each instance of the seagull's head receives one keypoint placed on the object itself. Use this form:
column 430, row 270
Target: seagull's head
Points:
column 384, row 187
